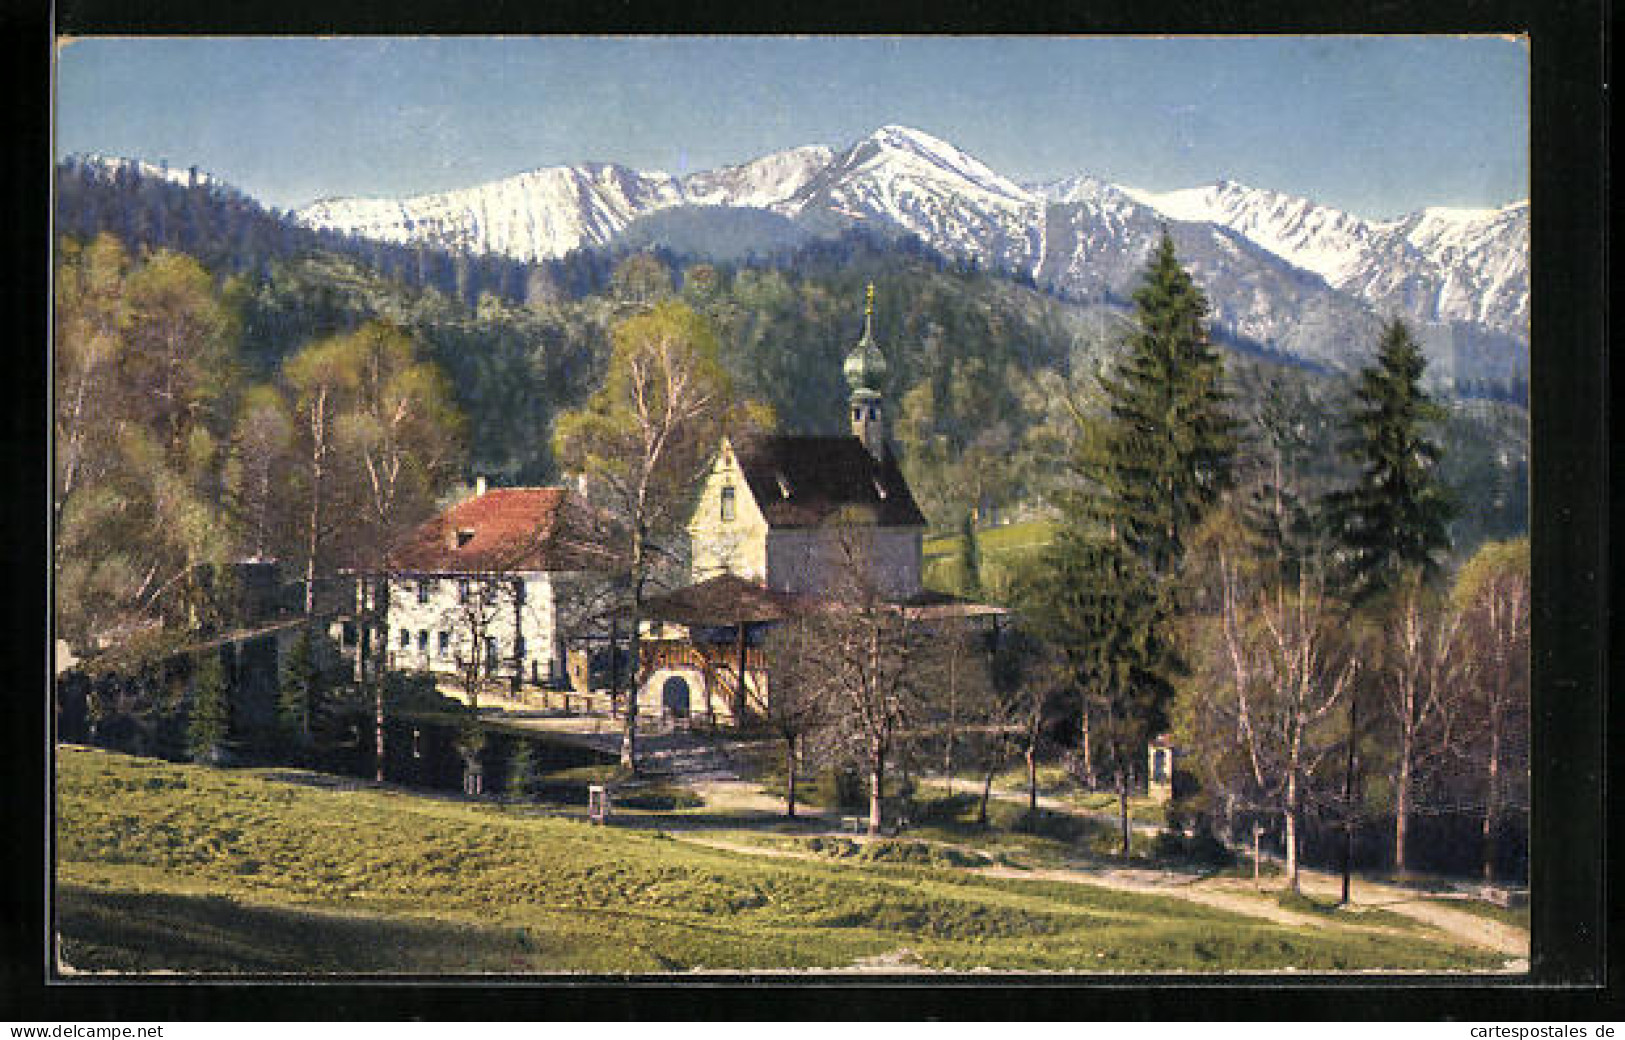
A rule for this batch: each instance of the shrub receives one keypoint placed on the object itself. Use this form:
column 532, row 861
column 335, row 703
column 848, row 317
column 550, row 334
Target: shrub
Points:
column 948, row 808
column 1199, row 849
column 841, row 787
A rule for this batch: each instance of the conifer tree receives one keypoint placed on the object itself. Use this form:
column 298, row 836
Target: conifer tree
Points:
column 970, row 559
column 209, row 723
column 1163, row 453
column 1393, row 520
column 1150, row 460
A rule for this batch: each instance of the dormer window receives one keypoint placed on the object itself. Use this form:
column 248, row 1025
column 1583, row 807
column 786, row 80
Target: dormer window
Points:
column 464, row 536
column 727, row 503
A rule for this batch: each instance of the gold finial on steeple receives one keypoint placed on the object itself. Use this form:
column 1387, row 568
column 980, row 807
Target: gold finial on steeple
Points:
column 869, row 303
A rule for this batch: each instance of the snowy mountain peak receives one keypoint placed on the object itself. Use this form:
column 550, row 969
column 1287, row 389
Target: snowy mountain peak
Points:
column 895, row 141
column 1079, row 234
column 112, row 165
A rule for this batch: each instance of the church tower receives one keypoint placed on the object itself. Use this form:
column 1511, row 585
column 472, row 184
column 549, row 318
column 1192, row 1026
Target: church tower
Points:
column 864, row 369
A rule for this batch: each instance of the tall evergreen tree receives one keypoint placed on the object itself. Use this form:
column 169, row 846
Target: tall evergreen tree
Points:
column 1150, row 460
column 1162, row 456
column 1393, row 520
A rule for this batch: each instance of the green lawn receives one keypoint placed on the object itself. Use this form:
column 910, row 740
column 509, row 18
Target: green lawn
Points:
column 174, row 867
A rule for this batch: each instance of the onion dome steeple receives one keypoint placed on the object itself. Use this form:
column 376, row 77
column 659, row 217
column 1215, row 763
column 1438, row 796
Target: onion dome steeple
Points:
column 865, row 369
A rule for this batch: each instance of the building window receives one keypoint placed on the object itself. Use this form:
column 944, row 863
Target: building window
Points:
column 425, row 589
column 519, row 591
column 423, row 641
column 462, row 590
column 406, row 638
column 727, row 503
column 519, row 648
column 857, row 413
column 490, row 652
column 349, row 635
column 443, row 642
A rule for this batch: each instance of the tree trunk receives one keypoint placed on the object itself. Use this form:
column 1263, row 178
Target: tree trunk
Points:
column 1402, row 803
column 1032, row 778
column 377, row 677
column 948, row 743
column 1122, row 810
column 987, row 793
column 1088, row 753
column 790, row 776
column 318, row 424
column 1348, row 796
column 877, row 786
column 1492, row 792
column 629, row 734
column 1290, row 824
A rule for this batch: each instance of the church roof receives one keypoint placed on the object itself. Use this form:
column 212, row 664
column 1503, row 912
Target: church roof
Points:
column 803, row 481
column 510, row 529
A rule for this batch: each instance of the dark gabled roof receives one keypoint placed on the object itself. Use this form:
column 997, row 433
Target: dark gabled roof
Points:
column 724, row 600
column 802, row 481
column 510, row 529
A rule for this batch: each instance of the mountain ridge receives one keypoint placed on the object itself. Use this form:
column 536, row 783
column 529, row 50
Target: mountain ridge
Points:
column 1305, row 279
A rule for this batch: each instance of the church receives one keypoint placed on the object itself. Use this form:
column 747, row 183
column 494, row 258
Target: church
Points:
column 772, row 532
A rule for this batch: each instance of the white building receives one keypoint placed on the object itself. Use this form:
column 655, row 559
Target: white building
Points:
column 492, row 583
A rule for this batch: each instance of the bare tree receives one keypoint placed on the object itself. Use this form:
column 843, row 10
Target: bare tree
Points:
column 871, row 647
column 1422, row 684
column 483, row 609
column 1492, row 592
column 798, row 699
column 1272, row 663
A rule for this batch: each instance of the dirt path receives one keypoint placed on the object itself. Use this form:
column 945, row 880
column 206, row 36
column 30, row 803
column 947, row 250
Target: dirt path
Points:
column 1140, row 882
column 1229, row 894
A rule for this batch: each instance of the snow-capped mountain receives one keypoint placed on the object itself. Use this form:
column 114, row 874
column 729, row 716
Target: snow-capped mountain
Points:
column 1281, row 271
column 112, row 166
column 1437, row 265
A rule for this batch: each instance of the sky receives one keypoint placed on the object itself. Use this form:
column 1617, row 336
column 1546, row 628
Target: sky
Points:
column 1378, row 126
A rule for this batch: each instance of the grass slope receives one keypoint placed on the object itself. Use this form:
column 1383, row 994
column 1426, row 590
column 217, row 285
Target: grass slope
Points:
column 169, row 867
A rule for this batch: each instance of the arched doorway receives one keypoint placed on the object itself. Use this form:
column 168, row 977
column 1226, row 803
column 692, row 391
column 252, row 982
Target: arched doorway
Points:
column 674, row 697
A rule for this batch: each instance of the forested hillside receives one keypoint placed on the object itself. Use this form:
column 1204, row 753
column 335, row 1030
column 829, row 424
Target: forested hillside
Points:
column 982, row 365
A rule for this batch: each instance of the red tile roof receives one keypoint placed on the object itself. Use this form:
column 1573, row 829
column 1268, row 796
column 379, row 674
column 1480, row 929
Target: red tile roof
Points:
column 511, row 529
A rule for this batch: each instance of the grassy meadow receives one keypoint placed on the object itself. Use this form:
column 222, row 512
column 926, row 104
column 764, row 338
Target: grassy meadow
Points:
column 164, row 867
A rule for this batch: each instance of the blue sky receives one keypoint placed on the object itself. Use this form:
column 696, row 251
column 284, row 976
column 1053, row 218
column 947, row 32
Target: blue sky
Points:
column 1375, row 125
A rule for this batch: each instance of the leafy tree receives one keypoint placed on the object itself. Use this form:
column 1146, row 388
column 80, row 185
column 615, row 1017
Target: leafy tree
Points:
column 1394, row 518
column 643, row 442
column 147, row 374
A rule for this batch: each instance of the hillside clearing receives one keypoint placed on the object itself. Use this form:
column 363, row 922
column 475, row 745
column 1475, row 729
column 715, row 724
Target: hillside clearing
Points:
column 184, row 868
